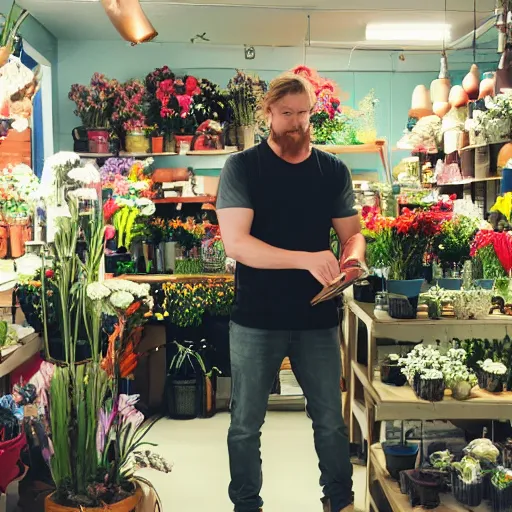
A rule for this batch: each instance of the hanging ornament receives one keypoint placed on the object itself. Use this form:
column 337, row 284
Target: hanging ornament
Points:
column 487, row 85
column 421, row 106
column 441, row 108
column 458, row 97
column 471, row 82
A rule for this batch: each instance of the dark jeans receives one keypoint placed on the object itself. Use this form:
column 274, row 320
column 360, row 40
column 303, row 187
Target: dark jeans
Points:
column 256, row 356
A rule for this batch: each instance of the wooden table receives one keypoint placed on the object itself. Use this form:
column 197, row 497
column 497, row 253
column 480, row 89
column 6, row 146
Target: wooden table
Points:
column 400, row 502
column 175, row 278
column 372, row 402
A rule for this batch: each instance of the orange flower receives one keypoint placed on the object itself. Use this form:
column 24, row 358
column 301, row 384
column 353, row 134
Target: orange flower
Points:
column 132, row 308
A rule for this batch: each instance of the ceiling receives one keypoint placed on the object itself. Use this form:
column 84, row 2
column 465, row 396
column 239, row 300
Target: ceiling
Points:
column 258, row 22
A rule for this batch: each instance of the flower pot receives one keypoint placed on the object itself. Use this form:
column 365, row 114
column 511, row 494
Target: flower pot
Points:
column 403, row 303
column 450, row 283
column 4, row 241
column 127, row 505
column 410, row 288
column 182, row 143
column 431, row 390
column 157, row 144
column 392, row 374
column 422, row 487
column 400, row 457
column 467, row 494
column 136, row 142
column 485, row 284
column 501, row 499
column 98, row 140
column 17, row 242
column 365, row 291
column 462, row 390
column 183, row 398
column 188, row 266
column 246, row 136
column 491, row 382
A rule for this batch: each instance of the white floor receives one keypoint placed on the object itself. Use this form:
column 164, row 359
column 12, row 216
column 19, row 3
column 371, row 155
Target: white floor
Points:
column 200, row 476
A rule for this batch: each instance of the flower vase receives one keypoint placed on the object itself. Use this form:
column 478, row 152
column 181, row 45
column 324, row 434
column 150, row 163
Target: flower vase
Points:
column 213, row 256
column 19, row 233
column 98, row 140
column 183, row 143
column 431, row 390
column 157, row 144
column 246, row 136
column 404, row 303
column 136, row 142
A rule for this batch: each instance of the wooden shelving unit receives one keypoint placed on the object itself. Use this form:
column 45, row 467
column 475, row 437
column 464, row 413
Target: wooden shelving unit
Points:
column 372, row 402
column 195, row 199
column 398, row 501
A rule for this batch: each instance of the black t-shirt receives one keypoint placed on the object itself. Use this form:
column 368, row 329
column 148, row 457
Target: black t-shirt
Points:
column 293, row 205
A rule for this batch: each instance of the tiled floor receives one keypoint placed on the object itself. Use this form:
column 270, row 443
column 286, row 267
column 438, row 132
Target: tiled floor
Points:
column 200, row 476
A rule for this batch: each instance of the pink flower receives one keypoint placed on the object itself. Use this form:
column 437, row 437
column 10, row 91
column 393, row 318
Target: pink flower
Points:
column 127, row 411
column 185, row 101
column 110, row 232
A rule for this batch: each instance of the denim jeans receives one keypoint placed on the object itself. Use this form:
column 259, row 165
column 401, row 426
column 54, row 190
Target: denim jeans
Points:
column 256, row 356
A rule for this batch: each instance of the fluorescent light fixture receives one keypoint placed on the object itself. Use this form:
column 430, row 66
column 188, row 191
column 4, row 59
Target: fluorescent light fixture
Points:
column 408, row 32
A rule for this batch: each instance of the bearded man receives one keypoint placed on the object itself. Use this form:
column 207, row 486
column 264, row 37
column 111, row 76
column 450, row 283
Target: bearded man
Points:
column 276, row 205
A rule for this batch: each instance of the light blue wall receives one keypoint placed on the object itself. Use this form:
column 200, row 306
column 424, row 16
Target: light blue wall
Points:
column 356, row 73
column 46, row 44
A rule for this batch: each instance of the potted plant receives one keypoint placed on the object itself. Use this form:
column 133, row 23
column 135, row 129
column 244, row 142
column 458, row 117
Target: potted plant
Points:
column 501, row 489
column 492, row 375
column 467, row 482
column 435, row 299
column 419, row 359
column 441, row 461
column 390, row 371
column 189, row 236
column 94, row 429
column 458, row 377
column 468, row 304
column 429, row 385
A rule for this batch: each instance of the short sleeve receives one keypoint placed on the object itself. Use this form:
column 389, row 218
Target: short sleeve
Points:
column 233, row 189
column 344, row 200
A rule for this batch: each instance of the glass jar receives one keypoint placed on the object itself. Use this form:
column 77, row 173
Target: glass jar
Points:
column 136, row 142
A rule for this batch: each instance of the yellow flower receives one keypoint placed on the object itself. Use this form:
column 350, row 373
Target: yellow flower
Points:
column 159, row 316
column 166, row 313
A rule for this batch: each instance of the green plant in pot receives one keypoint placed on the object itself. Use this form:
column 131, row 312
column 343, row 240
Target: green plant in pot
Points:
column 467, row 481
column 492, row 375
column 390, row 371
column 458, row 377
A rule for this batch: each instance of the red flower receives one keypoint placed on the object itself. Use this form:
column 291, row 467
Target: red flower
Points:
column 49, row 273
column 191, row 86
column 109, row 208
column 185, row 102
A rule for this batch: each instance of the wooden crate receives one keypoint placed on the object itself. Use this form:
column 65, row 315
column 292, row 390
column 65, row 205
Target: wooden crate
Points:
column 16, row 148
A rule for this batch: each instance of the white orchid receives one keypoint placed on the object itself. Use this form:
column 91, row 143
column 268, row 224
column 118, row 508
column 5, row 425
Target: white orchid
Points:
column 88, row 174
column 147, row 207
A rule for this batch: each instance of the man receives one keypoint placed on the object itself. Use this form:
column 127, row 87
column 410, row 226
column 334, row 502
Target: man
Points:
column 276, row 205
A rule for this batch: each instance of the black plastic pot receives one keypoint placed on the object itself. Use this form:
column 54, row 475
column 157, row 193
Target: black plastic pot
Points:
column 422, row 487
column 183, row 398
column 366, row 290
column 467, row 494
column 403, row 308
column 501, row 499
column 392, row 374
column 431, row 390
column 400, row 457
column 491, row 382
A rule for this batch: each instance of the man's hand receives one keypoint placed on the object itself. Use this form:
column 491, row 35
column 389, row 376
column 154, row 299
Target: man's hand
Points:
column 322, row 265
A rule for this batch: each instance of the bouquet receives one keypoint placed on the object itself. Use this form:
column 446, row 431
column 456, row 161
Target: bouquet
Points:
column 95, row 102
column 18, row 188
column 494, row 251
column 129, row 107
column 245, row 93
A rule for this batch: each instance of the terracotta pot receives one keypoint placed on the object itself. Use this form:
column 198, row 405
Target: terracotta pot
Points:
column 487, row 85
column 127, row 505
column 157, row 144
column 5, row 51
column 471, row 82
column 16, row 237
column 182, row 139
column 458, row 97
column 4, row 241
column 440, row 90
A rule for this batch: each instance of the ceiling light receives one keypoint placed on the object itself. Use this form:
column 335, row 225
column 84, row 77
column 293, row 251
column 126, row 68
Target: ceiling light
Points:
column 130, row 21
column 408, row 32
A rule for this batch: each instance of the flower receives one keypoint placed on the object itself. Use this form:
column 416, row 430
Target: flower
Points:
column 121, row 299
column 86, row 194
column 62, row 158
column 127, row 411
column 490, row 366
column 147, row 207
column 87, row 174
column 49, row 273
column 431, row 374
column 97, row 291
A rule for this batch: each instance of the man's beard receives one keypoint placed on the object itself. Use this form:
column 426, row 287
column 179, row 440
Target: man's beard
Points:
column 292, row 143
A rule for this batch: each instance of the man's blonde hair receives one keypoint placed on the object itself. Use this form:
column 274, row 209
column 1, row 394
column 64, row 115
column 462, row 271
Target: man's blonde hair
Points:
column 287, row 83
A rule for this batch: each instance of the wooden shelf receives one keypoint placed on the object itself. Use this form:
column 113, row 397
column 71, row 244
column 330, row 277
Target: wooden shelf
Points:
column 194, row 199
column 376, row 147
column 400, row 502
column 469, row 181
column 400, row 403
column 170, row 278
column 124, row 154
column 13, row 357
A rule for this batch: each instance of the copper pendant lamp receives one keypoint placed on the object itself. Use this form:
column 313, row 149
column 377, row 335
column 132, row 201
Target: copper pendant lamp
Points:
column 129, row 20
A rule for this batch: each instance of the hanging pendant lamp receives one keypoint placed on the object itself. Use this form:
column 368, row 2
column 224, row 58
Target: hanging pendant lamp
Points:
column 471, row 82
column 129, row 20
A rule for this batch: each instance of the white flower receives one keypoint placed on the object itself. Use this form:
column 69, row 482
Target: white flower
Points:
column 87, row 174
column 431, row 374
column 491, row 367
column 121, row 300
column 394, row 357
column 62, row 158
column 137, row 290
column 22, row 170
column 122, row 201
column 139, row 185
column 88, row 194
column 97, row 291
column 147, row 207
column 144, row 289
column 150, row 303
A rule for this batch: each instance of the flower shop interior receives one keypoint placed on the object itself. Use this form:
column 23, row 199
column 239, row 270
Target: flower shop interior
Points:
column 116, row 120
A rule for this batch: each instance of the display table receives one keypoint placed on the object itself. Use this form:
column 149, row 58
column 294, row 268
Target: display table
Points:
column 372, row 402
column 174, row 278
